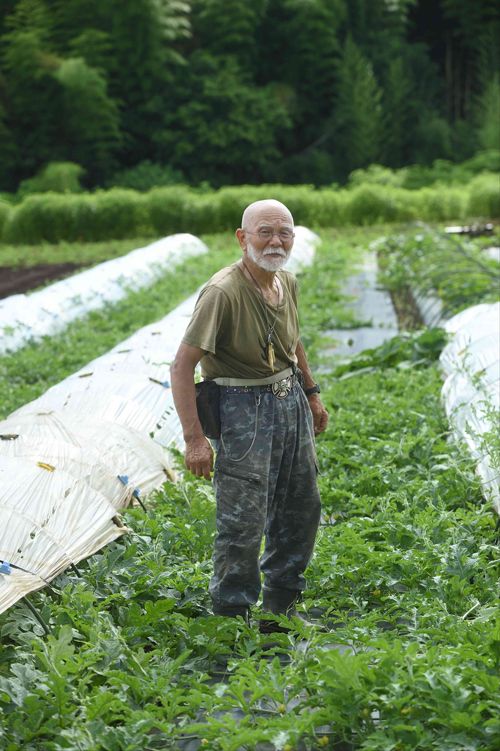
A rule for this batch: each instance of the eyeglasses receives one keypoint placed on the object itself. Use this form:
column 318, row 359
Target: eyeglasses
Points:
column 266, row 234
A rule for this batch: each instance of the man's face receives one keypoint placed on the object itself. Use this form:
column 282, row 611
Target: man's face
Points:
column 269, row 259
column 269, row 240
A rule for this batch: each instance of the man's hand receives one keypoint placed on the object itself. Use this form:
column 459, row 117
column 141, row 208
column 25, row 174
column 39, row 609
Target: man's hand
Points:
column 319, row 413
column 199, row 457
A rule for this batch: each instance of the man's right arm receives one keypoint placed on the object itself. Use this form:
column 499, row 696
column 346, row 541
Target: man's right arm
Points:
column 199, row 454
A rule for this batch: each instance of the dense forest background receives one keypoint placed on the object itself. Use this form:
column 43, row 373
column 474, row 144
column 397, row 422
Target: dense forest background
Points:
column 143, row 92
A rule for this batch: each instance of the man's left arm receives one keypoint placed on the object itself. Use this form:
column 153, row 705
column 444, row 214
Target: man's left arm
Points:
column 319, row 413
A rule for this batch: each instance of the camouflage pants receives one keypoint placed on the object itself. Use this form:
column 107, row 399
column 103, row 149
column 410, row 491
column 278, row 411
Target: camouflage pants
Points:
column 265, row 486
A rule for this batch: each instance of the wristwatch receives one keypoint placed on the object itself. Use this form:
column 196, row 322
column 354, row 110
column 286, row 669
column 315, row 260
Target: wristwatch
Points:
column 313, row 390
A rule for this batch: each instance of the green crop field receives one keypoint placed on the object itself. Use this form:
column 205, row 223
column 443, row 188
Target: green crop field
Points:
column 123, row 654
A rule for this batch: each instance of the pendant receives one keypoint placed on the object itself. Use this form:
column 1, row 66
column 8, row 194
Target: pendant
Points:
column 270, row 355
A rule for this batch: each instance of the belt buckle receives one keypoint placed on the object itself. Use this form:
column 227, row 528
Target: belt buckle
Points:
column 282, row 388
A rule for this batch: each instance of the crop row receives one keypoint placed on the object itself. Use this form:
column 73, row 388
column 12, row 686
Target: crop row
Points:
column 455, row 270
column 120, row 213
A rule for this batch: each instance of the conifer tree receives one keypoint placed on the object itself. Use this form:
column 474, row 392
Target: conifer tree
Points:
column 146, row 63
column 32, row 95
column 9, row 156
column 488, row 115
column 222, row 130
column 300, row 49
column 229, row 27
column 398, row 114
column 304, row 90
column 357, row 137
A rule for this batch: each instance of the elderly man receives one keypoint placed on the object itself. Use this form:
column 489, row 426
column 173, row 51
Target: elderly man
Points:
column 245, row 333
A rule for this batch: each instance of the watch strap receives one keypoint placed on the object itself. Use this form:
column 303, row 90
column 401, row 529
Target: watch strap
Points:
column 313, row 390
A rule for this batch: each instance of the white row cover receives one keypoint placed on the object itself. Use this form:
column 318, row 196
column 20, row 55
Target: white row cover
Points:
column 51, row 309
column 471, row 392
column 70, row 460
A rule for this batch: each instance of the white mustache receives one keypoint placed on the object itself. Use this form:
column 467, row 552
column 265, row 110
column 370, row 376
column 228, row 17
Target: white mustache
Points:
column 274, row 251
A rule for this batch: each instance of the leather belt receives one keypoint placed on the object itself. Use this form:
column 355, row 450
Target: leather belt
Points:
column 275, row 378
column 280, row 388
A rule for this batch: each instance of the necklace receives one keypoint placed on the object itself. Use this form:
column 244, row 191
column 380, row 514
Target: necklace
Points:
column 270, row 326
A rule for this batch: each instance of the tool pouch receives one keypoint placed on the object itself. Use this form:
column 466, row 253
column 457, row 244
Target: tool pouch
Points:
column 208, row 406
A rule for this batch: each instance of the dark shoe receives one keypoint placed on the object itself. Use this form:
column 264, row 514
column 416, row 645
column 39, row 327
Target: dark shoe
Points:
column 234, row 612
column 279, row 601
column 271, row 626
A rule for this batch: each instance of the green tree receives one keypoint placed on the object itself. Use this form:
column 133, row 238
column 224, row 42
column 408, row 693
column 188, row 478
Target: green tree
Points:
column 146, row 62
column 90, row 118
column 229, row 27
column 58, row 177
column 433, row 137
column 322, row 86
column 379, row 29
column 464, row 35
column 357, row 116
column 299, row 49
column 95, row 47
column 134, row 47
column 32, row 96
column 222, row 130
column 460, row 35
column 488, row 115
column 8, row 153
column 70, row 19
column 398, row 114
column 6, row 10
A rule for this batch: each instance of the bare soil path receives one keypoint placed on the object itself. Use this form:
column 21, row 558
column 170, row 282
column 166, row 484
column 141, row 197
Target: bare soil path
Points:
column 15, row 280
column 373, row 308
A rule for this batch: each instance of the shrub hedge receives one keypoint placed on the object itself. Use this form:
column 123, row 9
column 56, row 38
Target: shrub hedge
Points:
column 119, row 213
column 484, row 196
column 60, row 177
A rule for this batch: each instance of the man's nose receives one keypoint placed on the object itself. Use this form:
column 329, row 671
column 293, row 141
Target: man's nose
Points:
column 276, row 239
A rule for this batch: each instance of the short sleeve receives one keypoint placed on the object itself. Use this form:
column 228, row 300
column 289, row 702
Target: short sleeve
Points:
column 207, row 319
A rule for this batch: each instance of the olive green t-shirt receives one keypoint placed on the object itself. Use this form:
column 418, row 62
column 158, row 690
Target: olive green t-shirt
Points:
column 231, row 321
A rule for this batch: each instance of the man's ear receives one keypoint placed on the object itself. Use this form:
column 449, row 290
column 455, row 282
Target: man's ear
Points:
column 240, row 236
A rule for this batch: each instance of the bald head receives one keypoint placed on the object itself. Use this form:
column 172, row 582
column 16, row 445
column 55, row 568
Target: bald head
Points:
column 259, row 209
column 266, row 234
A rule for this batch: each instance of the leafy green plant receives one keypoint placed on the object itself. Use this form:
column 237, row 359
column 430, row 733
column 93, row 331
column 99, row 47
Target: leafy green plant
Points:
column 484, row 197
column 408, row 350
